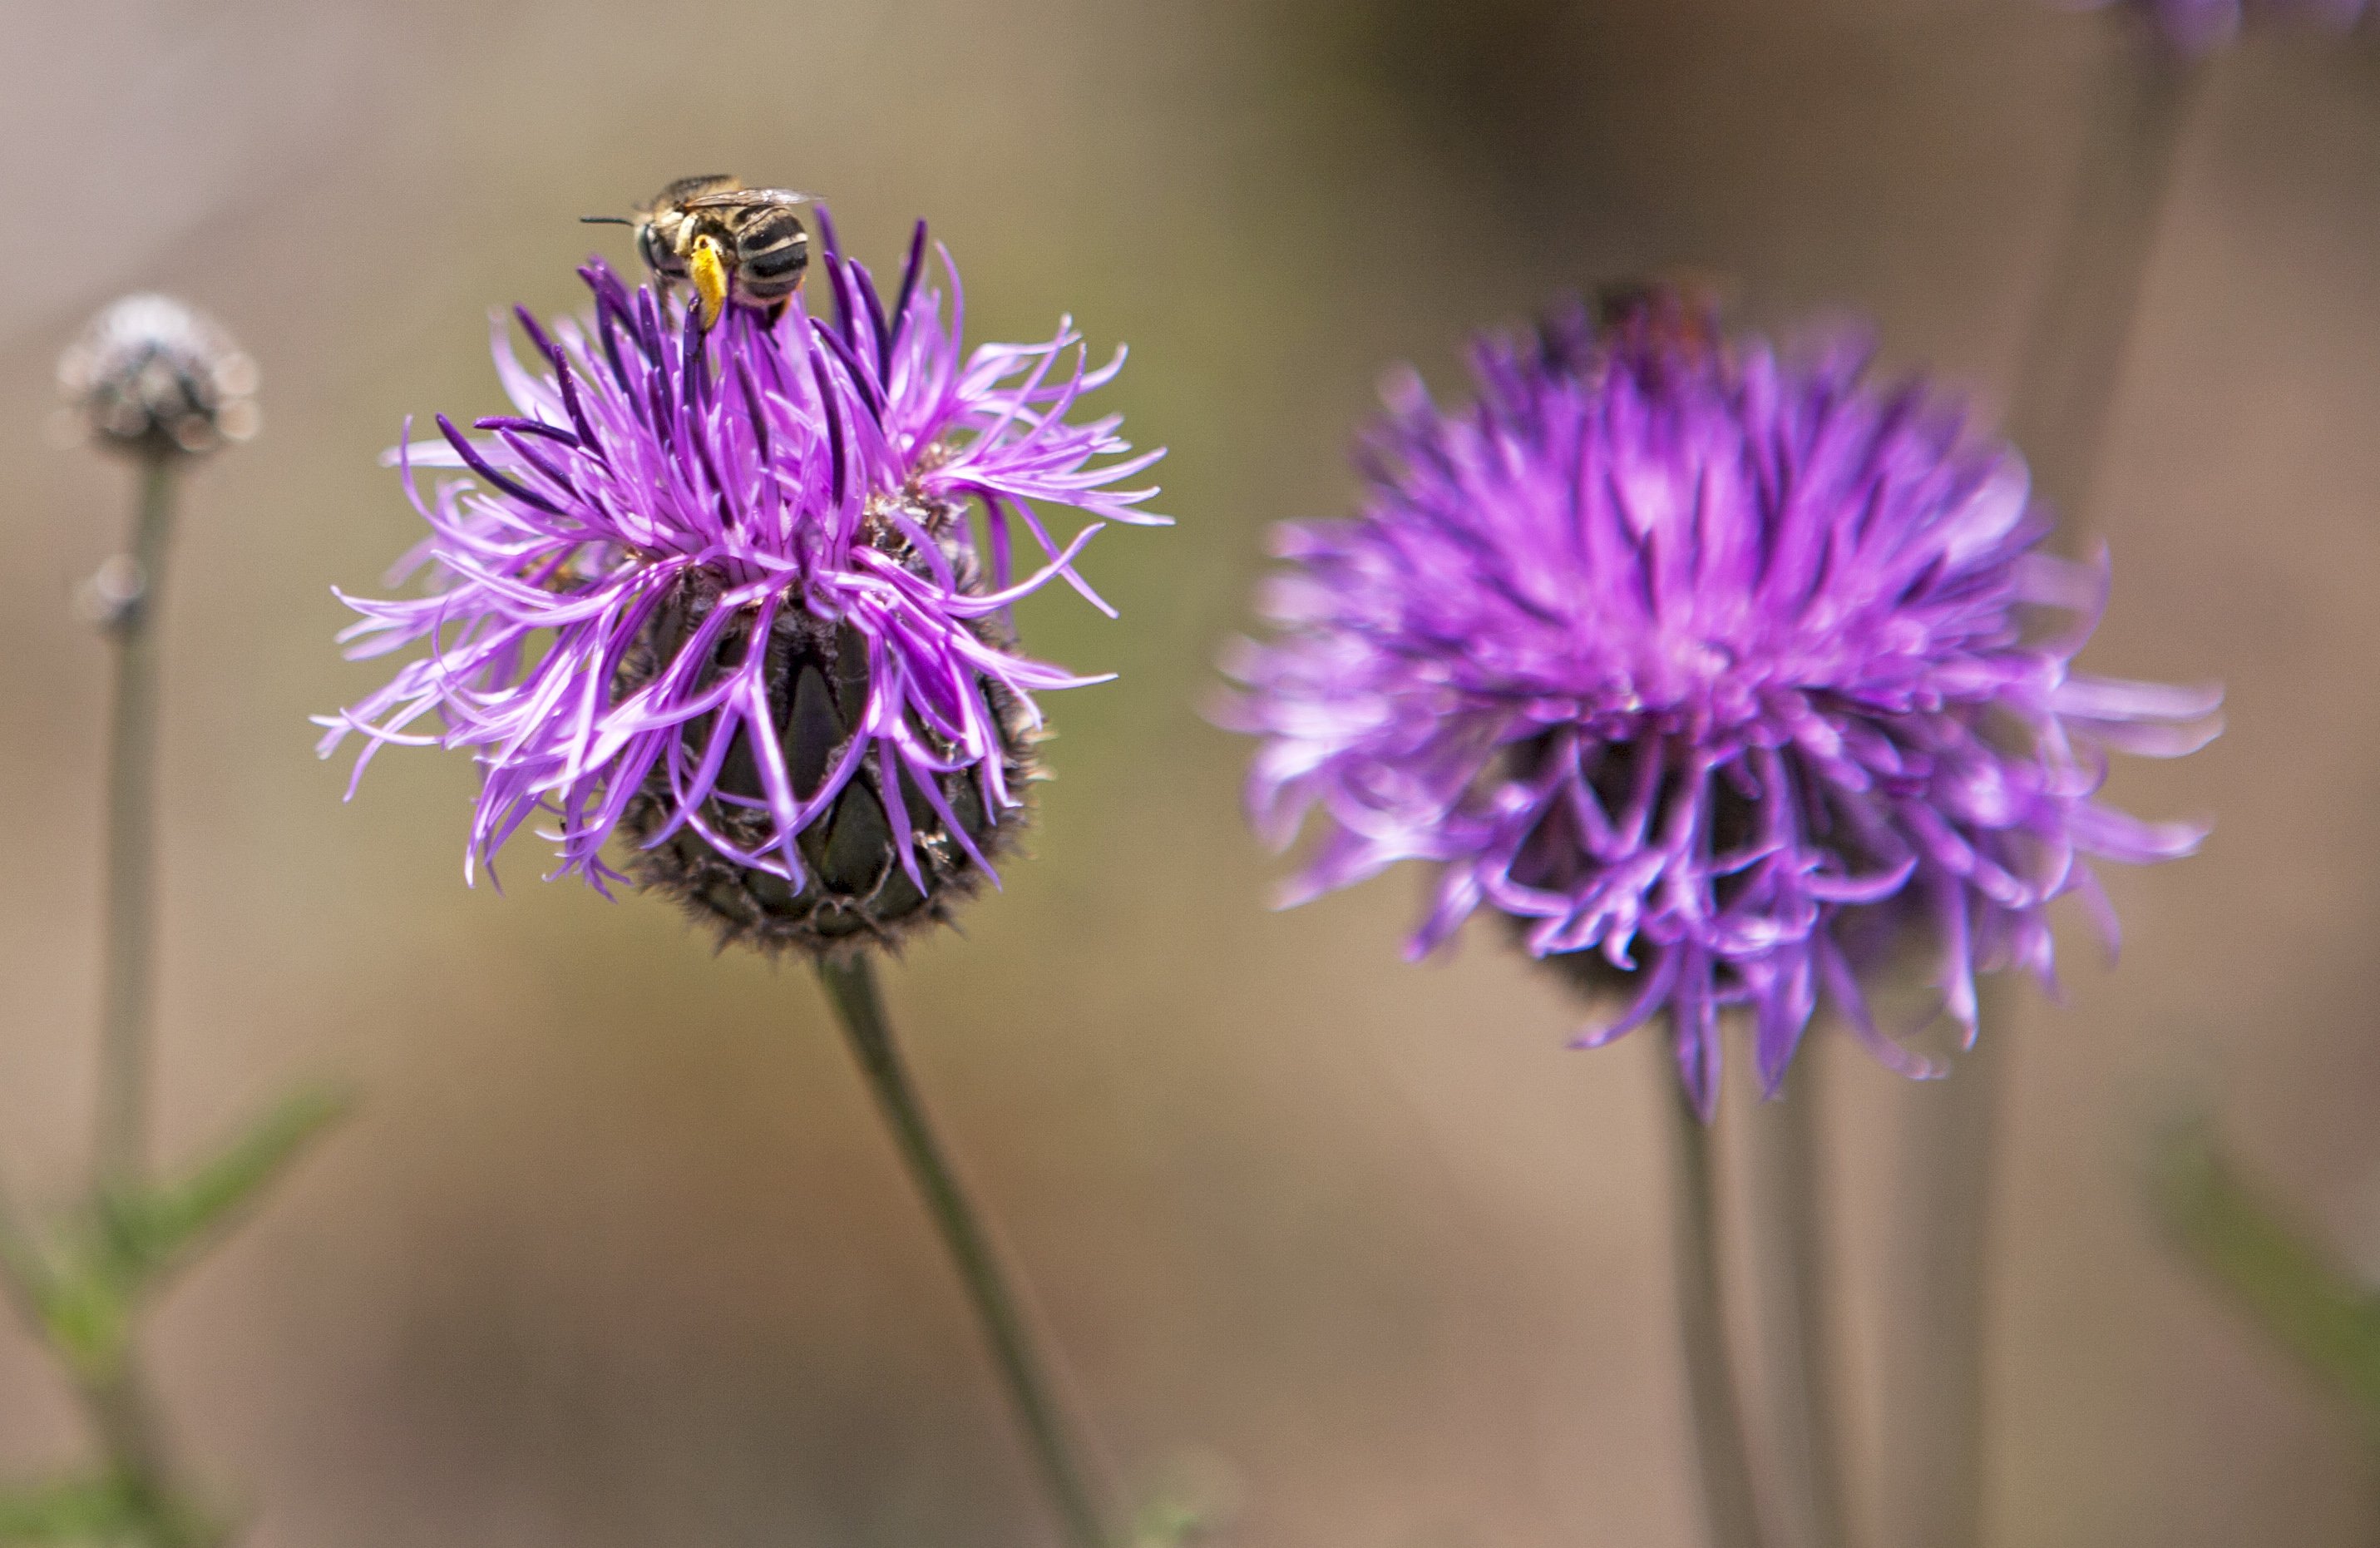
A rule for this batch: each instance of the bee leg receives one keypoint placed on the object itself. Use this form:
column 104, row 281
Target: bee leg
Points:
column 776, row 310
column 710, row 275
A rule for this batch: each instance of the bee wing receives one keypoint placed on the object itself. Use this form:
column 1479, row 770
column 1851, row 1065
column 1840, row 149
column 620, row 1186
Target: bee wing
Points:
column 684, row 189
column 743, row 197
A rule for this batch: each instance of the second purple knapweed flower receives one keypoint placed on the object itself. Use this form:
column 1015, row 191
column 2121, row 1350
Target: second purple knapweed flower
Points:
column 723, row 595
column 1709, row 669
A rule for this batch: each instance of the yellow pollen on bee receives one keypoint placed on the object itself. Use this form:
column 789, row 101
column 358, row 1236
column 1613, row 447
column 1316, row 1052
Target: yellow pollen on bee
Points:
column 709, row 275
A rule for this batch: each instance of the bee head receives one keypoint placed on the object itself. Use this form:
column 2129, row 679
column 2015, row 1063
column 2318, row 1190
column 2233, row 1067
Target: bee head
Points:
column 652, row 245
column 654, row 249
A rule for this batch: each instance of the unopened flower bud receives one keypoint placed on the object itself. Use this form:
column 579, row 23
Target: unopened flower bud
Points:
column 853, row 886
column 153, row 378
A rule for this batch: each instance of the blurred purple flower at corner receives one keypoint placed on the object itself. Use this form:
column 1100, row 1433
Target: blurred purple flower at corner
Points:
column 1709, row 669
column 2195, row 27
column 723, row 594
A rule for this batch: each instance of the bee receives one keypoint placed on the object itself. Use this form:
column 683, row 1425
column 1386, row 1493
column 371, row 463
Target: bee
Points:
column 729, row 242
column 1681, row 309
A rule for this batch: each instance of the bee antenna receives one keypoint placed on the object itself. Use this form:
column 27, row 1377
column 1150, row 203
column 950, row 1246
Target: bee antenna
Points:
column 605, row 219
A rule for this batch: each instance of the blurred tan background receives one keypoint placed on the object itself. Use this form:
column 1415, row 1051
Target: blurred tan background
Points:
column 614, row 1253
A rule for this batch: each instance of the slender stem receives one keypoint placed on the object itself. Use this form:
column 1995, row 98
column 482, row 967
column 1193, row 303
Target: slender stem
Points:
column 112, row 1388
column 1730, row 1508
column 120, row 1411
column 1933, row 1461
column 2083, row 321
column 127, row 945
column 1797, row 1335
column 1934, row 1465
column 117, row 1400
column 851, row 988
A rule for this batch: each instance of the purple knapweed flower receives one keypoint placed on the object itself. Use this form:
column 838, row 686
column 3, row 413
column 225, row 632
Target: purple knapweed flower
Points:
column 1705, row 668
column 2195, row 27
column 722, row 593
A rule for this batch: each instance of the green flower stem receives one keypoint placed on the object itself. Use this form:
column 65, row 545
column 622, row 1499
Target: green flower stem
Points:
column 1934, row 1457
column 851, row 986
column 122, row 1415
column 1934, row 1453
column 1797, row 1335
column 128, row 944
column 107, row 1376
column 117, row 1398
column 2083, row 321
column 1729, row 1506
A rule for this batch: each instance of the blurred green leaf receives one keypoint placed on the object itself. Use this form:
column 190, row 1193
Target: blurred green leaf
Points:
column 102, row 1510
column 1168, row 1523
column 109, row 1511
column 86, row 1288
column 1192, row 1502
column 150, row 1229
column 2289, row 1285
column 89, row 1317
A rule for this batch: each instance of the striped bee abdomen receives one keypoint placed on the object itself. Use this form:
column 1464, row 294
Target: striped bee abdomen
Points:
column 772, row 249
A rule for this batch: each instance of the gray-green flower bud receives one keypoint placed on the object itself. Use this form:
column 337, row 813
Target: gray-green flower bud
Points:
column 855, row 891
column 151, row 377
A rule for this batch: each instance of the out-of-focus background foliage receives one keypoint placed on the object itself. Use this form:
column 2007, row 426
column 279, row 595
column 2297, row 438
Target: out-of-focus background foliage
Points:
column 616, row 1254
